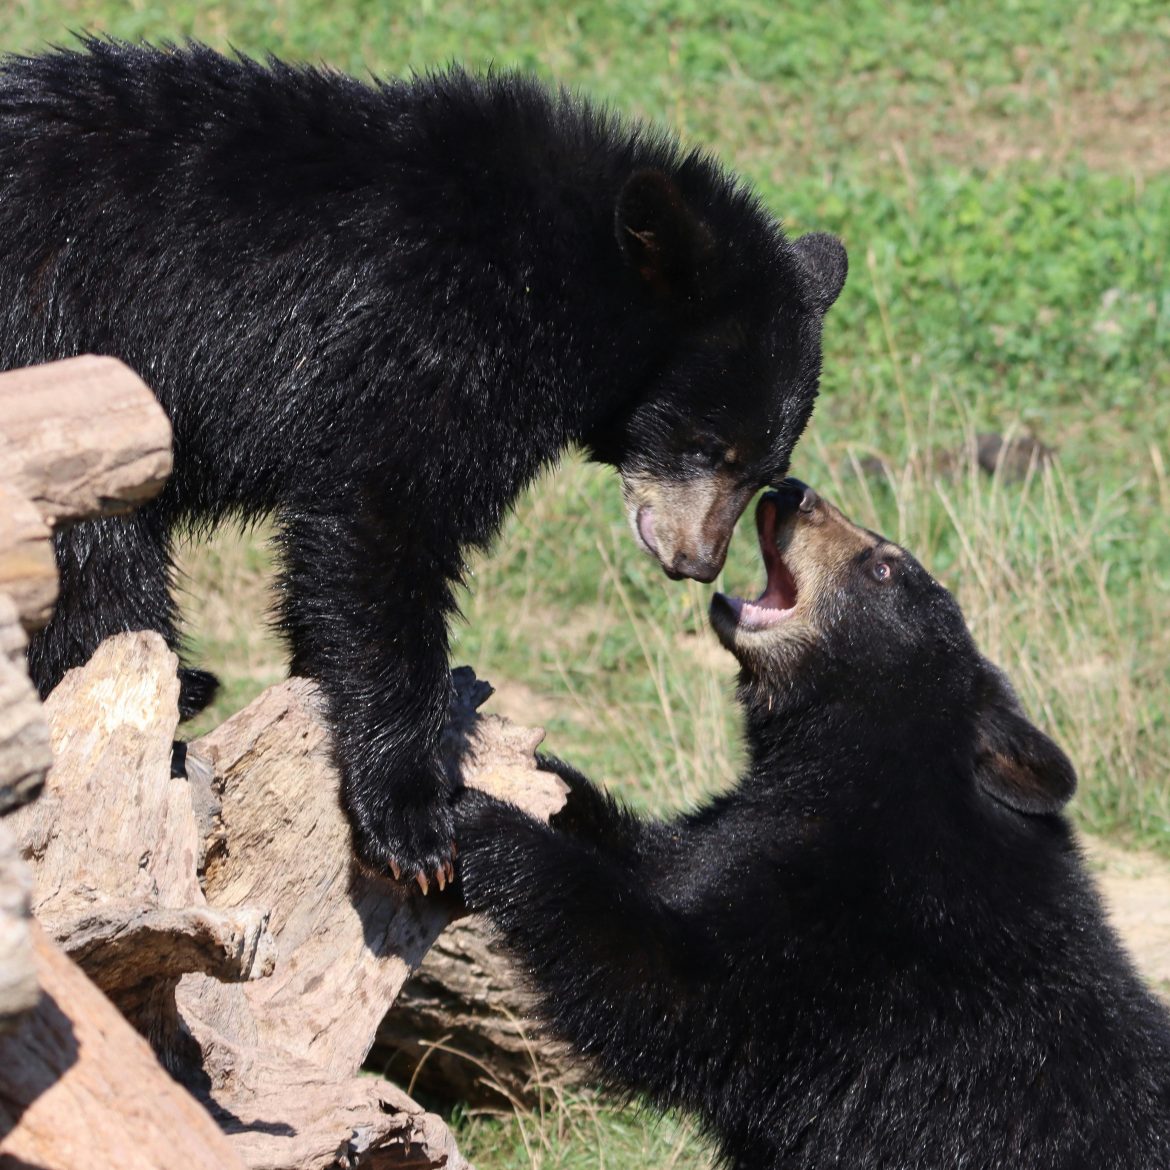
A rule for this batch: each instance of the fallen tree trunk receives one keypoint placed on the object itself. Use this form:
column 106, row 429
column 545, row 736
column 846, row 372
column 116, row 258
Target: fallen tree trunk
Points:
column 83, row 437
column 28, row 568
column 222, row 911
column 79, row 1087
column 114, row 843
column 79, row 438
column 24, row 760
column 24, row 735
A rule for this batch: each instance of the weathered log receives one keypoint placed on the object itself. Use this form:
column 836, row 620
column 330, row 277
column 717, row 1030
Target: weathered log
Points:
column 18, row 976
column 115, row 843
column 350, row 940
column 28, row 569
column 77, row 438
column 82, row 437
column 78, row 1087
column 463, row 1028
column 24, row 760
column 262, row 989
column 24, row 735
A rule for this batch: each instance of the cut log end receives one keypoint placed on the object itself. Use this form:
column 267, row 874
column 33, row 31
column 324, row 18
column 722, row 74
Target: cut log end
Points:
column 83, row 437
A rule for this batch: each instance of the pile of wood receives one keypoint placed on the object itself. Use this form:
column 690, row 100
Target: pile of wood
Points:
column 192, row 969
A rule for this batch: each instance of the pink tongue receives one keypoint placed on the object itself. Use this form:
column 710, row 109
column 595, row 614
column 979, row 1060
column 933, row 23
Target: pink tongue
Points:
column 779, row 596
column 780, row 591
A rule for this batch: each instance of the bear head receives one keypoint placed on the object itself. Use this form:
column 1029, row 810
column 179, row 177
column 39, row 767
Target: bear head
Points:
column 728, row 316
column 850, row 621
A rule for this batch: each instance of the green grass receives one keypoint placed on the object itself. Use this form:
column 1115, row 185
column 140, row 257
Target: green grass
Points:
column 572, row 1131
column 1001, row 175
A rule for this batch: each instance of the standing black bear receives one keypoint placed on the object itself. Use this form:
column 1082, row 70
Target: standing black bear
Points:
column 881, row 949
column 375, row 313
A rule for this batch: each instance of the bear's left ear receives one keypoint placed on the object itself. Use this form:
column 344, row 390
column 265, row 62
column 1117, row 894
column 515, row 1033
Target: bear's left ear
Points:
column 1015, row 762
column 660, row 237
column 826, row 263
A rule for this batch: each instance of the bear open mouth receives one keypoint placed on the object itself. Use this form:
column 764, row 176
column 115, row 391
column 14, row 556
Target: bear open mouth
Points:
column 778, row 601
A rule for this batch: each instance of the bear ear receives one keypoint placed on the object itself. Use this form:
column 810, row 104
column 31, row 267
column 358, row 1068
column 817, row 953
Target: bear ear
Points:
column 659, row 236
column 826, row 263
column 1015, row 762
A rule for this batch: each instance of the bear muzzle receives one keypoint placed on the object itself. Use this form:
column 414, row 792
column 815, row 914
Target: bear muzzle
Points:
column 686, row 525
column 806, row 545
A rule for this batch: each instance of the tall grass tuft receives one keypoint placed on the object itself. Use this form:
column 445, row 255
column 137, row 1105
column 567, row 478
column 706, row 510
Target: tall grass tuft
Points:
column 635, row 689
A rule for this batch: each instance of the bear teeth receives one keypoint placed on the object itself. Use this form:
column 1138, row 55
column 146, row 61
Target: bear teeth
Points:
column 751, row 615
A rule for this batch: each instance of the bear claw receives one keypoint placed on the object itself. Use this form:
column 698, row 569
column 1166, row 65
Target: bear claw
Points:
column 443, row 876
column 411, row 845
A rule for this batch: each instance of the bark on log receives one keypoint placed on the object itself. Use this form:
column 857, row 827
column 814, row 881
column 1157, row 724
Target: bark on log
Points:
column 28, row 569
column 24, row 760
column 18, row 976
column 78, row 438
column 79, row 1088
column 117, row 845
column 350, row 939
column 82, row 437
column 462, row 1028
column 24, row 734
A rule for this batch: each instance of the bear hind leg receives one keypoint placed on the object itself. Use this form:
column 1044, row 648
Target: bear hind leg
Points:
column 114, row 577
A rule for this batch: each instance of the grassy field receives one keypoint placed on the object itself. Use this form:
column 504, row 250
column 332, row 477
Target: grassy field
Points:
column 1001, row 176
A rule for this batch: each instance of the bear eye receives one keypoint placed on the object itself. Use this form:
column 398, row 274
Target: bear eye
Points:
column 881, row 571
column 712, row 452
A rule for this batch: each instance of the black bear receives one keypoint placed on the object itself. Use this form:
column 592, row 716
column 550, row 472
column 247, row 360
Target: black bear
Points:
column 881, row 949
column 374, row 312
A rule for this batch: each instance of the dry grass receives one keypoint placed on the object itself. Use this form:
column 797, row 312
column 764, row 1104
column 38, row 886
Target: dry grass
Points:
column 1030, row 565
column 583, row 635
column 621, row 666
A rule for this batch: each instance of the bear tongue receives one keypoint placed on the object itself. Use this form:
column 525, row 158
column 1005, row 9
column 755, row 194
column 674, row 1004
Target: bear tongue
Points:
column 780, row 591
column 777, row 602
column 778, row 599
column 780, row 588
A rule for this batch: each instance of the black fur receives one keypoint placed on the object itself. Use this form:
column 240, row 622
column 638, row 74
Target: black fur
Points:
column 374, row 313
column 881, row 949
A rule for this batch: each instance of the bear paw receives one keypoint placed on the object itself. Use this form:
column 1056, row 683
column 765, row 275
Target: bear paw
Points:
column 196, row 690
column 414, row 843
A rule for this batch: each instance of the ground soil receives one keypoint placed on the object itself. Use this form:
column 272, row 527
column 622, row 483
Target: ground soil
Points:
column 1136, row 888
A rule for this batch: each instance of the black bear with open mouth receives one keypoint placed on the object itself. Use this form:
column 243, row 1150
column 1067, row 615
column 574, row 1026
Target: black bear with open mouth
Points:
column 881, row 949
column 373, row 313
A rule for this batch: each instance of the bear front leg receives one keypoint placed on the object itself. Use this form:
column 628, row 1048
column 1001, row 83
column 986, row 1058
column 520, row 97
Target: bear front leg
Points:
column 592, row 814
column 367, row 622
column 386, row 729
column 621, row 975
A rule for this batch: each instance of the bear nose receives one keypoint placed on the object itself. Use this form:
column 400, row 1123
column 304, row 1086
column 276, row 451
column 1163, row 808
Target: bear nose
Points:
column 698, row 567
column 799, row 493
